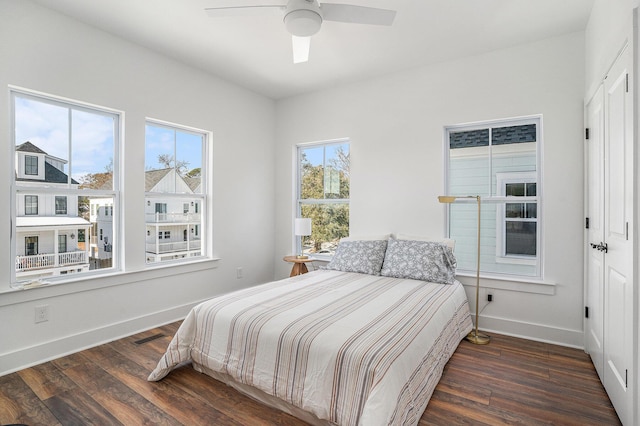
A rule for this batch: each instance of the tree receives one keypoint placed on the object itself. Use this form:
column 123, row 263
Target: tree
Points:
column 194, row 173
column 169, row 162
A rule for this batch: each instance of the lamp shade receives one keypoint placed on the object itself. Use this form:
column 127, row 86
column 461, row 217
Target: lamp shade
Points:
column 302, row 226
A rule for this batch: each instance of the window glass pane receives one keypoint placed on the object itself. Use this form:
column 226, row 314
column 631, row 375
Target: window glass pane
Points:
column 324, row 172
column 514, row 210
column 30, row 165
column 531, row 190
column 532, row 210
column 61, row 205
column 469, row 139
column 469, row 163
column 329, row 223
column 189, row 154
column 521, row 238
column 101, row 232
column 515, row 189
column 92, row 150
column 42, row 129
column 513, row 134
column 30, row 205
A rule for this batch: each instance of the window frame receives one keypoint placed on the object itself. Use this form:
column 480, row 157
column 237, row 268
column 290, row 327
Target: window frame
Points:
column 32, row 206
column 502, row 179
column 60, row 211
column 299, row 201
column 501, row 199
column 28, row 166
column 26, row 187
column 204, row 198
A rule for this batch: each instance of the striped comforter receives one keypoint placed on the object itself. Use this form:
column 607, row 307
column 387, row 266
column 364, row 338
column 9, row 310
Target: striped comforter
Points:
column 350, row 348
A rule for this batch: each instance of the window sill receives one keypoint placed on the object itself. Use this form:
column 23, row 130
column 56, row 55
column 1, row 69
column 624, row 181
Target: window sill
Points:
column 11, row 296
column 519, row 284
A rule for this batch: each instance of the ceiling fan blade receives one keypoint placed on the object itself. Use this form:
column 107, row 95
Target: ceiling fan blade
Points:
column 357, row 14
column 223, row 12
column 301, row 47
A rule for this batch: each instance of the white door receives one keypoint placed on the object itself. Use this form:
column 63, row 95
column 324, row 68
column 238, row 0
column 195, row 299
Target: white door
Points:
column 609, row 263
column 595, row 233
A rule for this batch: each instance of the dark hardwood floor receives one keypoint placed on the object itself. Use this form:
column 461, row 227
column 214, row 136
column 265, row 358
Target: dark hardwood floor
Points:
column 509, row 381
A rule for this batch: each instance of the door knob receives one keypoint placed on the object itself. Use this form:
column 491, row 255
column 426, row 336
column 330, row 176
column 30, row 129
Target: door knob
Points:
column 600, row 247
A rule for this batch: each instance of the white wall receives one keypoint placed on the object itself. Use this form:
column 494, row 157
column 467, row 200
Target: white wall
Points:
column 48, row 52
column 609, row 27
column 396, row 127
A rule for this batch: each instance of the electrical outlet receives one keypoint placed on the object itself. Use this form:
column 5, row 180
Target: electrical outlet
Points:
column 239, row 272
column 41, row 313
column 489, row 297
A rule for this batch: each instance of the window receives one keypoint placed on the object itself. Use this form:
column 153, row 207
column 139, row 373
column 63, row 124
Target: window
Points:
column 62, row 243
column 517, row 222
column 69, row 151
column 61, row 204
column 323, row 195
column 175, row 180
column 31, row 165
column 31, row 246
column 161, row 208
column 30, row 204
column 500, row 161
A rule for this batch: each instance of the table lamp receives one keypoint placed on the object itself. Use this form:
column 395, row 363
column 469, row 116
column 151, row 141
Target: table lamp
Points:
column 302, row 228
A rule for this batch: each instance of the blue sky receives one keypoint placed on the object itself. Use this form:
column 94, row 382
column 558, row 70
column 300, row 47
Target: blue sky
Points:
column 183, row 145
column 46, row 125
column 315, row 153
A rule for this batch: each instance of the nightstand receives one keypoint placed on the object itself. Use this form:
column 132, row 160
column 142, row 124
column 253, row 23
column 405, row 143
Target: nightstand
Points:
column 299, row 266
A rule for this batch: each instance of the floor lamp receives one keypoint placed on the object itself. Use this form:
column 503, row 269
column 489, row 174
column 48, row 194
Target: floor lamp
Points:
column 474, row 336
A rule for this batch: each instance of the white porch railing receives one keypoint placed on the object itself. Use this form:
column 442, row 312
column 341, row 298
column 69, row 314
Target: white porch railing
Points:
column 50, row 260
column 174, row 247
column 173, row 217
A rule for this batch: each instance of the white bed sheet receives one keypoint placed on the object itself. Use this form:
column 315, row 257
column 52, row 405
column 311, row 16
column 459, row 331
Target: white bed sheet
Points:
column 351, row 349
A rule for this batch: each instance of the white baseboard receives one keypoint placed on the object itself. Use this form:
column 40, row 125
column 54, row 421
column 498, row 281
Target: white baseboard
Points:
column 537, row 332
column 47, row 351
column 27, row 357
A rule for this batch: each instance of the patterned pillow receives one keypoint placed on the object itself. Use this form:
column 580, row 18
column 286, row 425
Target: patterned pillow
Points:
column 419, row 260
column 365, row 257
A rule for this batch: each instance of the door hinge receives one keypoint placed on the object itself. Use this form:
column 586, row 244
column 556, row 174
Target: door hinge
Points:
column 627, row 231
column 586, row 133
column 586, row 312
column 586, row 223
column 626, row 82
column 626, row 378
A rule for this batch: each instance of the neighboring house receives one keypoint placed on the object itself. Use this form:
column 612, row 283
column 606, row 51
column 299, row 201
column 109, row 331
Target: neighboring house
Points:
column 101, row 218
column 48, row 227
column 173, row 221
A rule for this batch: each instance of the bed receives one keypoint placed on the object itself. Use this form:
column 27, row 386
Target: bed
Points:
column 349, row 345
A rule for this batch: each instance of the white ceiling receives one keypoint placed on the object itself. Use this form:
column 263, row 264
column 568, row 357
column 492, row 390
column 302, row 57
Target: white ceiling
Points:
column 255, row 51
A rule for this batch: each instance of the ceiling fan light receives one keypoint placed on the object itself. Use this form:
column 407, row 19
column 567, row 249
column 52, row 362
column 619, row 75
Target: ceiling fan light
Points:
column 302, row 22
column 301, row 49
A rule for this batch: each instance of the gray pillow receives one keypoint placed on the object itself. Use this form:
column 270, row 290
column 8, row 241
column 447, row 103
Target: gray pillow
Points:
column 365, row 257
column 419, row 260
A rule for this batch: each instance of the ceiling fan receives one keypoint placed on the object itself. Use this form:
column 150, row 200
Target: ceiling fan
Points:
column 303, row 18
